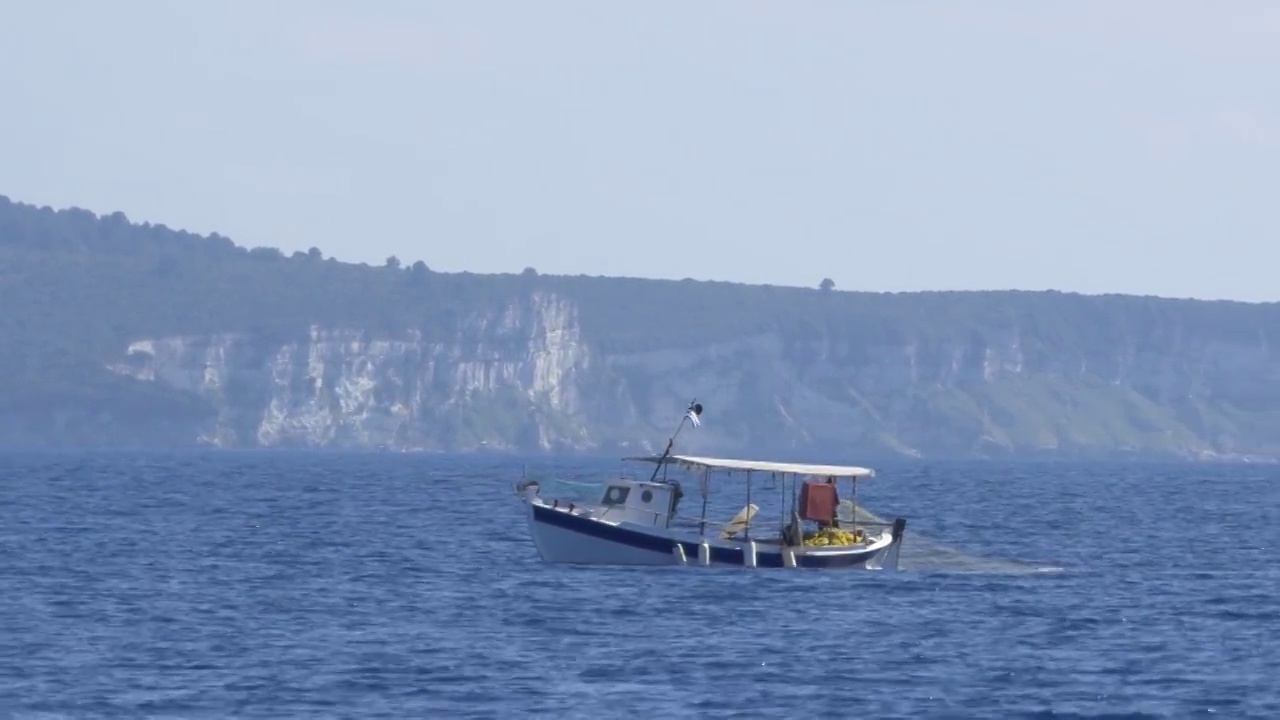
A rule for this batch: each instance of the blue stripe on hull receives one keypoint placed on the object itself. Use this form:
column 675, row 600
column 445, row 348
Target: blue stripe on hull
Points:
column 765, row 555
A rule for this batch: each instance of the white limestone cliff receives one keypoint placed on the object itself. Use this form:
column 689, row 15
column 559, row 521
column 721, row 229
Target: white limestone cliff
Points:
column 341, row 387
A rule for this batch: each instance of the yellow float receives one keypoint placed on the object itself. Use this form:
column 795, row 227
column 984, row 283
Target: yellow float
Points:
column 830, row 536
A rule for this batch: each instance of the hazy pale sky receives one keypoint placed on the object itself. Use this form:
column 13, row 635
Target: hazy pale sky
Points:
column 1092, row 146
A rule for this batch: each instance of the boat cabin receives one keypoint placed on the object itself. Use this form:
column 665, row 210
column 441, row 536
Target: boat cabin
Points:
column 636, row 501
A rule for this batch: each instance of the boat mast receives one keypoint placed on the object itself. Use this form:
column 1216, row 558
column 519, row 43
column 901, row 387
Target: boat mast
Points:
column 695, row 409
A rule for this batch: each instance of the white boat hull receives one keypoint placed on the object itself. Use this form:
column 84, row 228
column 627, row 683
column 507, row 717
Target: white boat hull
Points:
column 559, row 544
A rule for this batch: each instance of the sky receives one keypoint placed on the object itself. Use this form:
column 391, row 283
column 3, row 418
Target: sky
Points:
column 1087, row 146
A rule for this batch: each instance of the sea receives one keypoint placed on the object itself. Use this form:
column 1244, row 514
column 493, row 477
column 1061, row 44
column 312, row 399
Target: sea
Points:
column 281, row 584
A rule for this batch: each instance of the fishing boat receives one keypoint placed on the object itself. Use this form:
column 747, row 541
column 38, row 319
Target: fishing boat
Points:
column 640, row 521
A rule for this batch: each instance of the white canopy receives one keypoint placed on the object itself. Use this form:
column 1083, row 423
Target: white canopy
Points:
column 842, row 471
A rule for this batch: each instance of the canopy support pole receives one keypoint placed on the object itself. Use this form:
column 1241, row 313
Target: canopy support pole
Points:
column 853, row 521
column 706, row 481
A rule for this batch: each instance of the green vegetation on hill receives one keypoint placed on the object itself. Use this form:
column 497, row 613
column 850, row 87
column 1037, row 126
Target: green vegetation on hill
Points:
column 954, row 370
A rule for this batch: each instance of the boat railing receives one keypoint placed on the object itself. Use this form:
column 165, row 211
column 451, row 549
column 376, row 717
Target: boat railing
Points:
column 755, row 523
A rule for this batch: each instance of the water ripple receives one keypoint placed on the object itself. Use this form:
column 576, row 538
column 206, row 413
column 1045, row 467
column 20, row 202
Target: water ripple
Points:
column 330, row 585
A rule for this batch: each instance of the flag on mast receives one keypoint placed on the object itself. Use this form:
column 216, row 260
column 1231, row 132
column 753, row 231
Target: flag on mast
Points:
column 695, row 410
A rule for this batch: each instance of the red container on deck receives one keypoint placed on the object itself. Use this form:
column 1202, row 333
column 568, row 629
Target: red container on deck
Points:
column 818, row 501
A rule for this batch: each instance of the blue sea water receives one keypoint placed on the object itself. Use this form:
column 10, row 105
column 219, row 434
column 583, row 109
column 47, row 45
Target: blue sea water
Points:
column 387, row 586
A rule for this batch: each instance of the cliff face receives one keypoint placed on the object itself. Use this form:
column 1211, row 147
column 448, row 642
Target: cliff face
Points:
column 529, row 377
column 505, row 380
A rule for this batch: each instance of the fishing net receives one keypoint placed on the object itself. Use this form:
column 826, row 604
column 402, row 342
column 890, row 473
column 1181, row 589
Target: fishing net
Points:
column 920, row 553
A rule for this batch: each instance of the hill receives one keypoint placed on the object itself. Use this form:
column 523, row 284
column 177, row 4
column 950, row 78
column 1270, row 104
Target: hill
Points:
column 124, row 334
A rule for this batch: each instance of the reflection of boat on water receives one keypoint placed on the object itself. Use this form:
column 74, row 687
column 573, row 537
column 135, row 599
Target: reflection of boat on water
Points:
column 637, row 522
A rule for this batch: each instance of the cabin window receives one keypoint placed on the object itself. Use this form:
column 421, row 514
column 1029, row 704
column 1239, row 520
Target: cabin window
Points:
column 616, row 495
column 646, row 496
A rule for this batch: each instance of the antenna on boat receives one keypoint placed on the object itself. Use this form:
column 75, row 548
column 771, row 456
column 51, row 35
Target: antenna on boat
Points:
column 692, row 414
